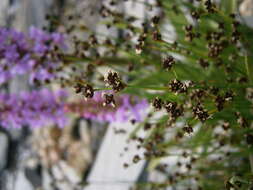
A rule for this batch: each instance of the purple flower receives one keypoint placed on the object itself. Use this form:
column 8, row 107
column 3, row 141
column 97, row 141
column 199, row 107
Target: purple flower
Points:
column 38, row 35
column 32, row 53
column 34, row 109
column 4, row 75
column 41, row 75
column 127, row 108
column 11, row 54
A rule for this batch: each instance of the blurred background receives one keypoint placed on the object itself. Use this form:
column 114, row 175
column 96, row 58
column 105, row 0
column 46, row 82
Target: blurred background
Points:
column 84, row 155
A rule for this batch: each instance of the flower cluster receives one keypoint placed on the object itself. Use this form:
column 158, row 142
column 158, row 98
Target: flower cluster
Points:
column 124, row 108
column 177, row 86
column 37, row 53
column 168, row 63
column 33, row 109
column 202, row 89
column 113, row 80
column 86, row 90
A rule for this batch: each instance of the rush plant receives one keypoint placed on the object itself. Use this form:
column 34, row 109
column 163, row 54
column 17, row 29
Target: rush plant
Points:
column 199, row 86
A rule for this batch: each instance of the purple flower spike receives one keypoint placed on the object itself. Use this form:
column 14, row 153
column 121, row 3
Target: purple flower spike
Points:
column 34, row 109
column 127, row 108
column 32, row 53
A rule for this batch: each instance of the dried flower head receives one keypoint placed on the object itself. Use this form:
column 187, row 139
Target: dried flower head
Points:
column 113, row 80
column 168, row 63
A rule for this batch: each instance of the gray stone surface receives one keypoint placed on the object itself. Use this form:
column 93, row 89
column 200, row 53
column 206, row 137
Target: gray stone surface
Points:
column 4, row 144
column 108, row 172
column 3, row 12
column 22, row 183
column 246, row 10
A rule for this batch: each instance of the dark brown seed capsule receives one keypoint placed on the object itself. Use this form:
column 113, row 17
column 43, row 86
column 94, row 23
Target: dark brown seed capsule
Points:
column 200, row 113
column 188, row 129
column 88, row 91
column 78, row 88
column 168, row 63
column 177, row 86
column 112, row 79
column 155, row 20
column 157, row 36
column 157, row 103
column 203, row 63
column 136, row 159
column 195, row 15
column 249, row 139
column 126, row 165
column 170, row 106
column 109, row 100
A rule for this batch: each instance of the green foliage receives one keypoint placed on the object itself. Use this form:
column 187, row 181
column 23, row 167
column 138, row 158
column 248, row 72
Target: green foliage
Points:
column 214, row 52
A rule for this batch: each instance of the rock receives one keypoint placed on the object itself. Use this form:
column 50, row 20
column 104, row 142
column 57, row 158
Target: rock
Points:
column 70, row 173
column 54, row 146
column 108, row 168
column 33, row 172
column 46, row 180
column 62, row 180
column 4, row 144
column 246, row 10
column 22, row 182
column 3, row 11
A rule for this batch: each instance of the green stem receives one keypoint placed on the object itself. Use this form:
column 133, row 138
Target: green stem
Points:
column 251, row 162
column 175, row 73
column 148, row 87
column 140, row 87
column 105, row 88
column 247, row 66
